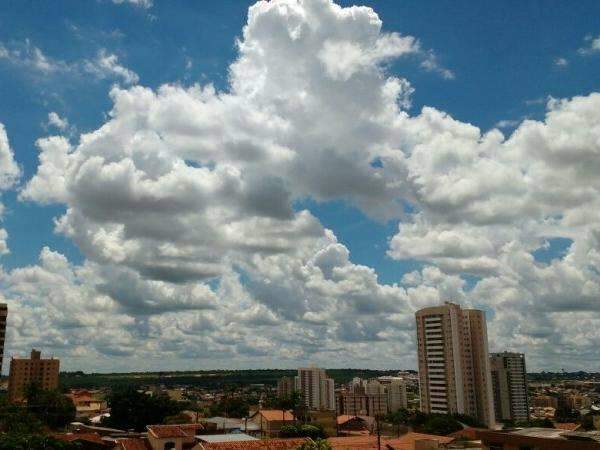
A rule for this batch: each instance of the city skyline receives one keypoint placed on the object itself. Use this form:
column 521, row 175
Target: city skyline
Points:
column 245, row 184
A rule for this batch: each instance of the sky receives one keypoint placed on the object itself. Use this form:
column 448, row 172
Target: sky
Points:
column 199, row 185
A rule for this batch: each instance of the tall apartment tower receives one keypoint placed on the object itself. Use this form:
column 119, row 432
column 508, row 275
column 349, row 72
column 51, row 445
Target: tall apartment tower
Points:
column 317, row 390
column 454, row 366
column 509, row 382
column 43, row 372
column 3, row 315
column 286, row 387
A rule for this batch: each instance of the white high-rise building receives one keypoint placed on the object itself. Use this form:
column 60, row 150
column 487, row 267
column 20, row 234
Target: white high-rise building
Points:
column 316, row 389
column 454, row 366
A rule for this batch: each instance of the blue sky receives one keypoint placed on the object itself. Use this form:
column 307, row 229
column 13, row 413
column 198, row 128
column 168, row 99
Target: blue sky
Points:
column 506, row 59
column 502, row 54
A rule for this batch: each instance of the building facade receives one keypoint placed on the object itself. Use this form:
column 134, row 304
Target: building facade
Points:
column 3, row 317
column 316, row 389
column 509, row 384
column 23, row 372
column 395, row 388
column 372, row 398
column 454, row 367
column 286, row 387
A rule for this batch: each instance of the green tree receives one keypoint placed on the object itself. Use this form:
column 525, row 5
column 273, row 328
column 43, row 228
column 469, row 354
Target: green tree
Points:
column 398, row 418
column 313, row 431
column 51, row 407
column 539, row 423
column 20, row 441
column 441, row 425
column 237, row 407
column 318, row 444
column 290, row 403
column 130, row 409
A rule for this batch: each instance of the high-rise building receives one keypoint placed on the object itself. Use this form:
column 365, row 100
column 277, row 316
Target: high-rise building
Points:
column 395, row 388
column 454, row 367
column 375, row 397
column 509, row 383
column 23, row 372
column 316, row 389
column 363, row 398
column 3, row 316
column 286, row 387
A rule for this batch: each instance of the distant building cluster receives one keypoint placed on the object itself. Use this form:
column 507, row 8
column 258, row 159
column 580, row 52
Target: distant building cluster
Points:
column 316, row 389
column 375, row 397
column 457, row 376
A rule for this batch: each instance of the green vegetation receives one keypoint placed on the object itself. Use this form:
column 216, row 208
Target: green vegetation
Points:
column 538, row 423
column 319, row 444
column 313, row 431
column 439, row 424
column 131, row 409
column 52, row 408
column 237, row 407
column 18, row 441
column 209, row 379
column 23, row 426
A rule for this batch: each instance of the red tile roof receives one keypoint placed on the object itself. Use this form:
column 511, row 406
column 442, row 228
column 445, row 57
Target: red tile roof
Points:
column 407, row 441
column 466, row 433
column 276, row 414
column 133, row 444
column 354, row 442
column 267, row 444
column 346, row 417
column 174, row 431
column 568, row 426
column 84, row 437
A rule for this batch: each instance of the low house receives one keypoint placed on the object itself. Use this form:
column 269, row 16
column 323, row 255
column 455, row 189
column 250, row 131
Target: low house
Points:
column 133, row 444
column 228, row 425
column 173, row 437
column 87, row 403
column 354, row 425
column 419, row 441
column 539, row 439
column 409, row 441
column 266, row 444
column 85, row 441
column 270, row 421
column 354, row 442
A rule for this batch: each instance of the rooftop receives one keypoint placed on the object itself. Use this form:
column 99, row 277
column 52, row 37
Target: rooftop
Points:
column 235, row 437
column 267, row 444
column 174, row 431
column 275, row 414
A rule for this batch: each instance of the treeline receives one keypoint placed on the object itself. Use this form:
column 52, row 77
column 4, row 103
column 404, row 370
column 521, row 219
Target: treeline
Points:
column 555, row 376
column 210, row 379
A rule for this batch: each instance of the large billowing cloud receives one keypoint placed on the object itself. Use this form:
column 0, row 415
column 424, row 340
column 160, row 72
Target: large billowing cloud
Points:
column 183, row 204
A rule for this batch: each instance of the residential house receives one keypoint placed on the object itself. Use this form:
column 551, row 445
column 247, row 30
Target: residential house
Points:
column 173, row 437
column 539, row 439
column 270, row 421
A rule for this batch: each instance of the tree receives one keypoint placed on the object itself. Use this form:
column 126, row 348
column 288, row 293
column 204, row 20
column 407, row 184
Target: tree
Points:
column 311, row 431
column 19, row 441
column 51, row 407
column 237, row 407
column 538, row 423
column 441, row 425
column 319, row 444
column 290, row 403
column 397, row 418
column 130, row 409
